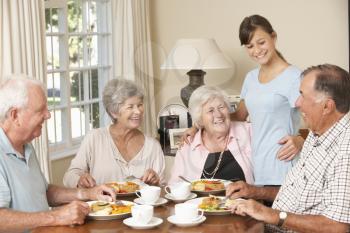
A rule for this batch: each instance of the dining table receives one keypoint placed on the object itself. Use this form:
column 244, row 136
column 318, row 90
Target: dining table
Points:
column 212, row 224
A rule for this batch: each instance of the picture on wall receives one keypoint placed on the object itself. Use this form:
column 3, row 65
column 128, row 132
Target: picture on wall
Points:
column 175, row 137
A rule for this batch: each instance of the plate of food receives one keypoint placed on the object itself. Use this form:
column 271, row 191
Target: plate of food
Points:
column 101, row 210
column 211, row 205
column 209, row 186
column 127, row 188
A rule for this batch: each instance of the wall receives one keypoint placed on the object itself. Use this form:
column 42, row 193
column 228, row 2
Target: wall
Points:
column 309, row 32
column 58, row 168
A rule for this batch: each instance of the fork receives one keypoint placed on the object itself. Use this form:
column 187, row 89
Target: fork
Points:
column 132, row 177
column 222, row 200
column 119, row 203
column 184, row 179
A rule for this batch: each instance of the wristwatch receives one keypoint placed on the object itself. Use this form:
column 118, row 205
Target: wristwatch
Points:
column 283, row 216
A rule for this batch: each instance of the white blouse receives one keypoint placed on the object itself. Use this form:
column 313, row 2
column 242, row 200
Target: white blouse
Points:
column 99, row 156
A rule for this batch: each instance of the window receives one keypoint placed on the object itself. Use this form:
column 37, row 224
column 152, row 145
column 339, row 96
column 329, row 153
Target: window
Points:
column 78, row 64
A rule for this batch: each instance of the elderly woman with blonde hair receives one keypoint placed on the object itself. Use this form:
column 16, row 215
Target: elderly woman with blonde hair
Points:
column 119, row 150
column 221, row 149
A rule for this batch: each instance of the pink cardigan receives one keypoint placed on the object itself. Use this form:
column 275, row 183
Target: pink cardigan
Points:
column 190, row 159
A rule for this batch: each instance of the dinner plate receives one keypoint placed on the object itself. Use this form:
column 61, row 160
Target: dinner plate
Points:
column 153, row 223
column 226, row 183
column 111, row 216
column 198, row 201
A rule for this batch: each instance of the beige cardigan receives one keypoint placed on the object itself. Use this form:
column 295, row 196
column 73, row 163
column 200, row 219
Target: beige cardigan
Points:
column 99, row 156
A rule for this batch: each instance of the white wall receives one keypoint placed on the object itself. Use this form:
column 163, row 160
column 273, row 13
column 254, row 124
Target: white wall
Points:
column 309, row 33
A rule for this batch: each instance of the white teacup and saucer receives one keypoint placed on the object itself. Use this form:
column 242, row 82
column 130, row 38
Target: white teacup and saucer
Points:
column 186, row 215
column 179, row 192
column 142, row 217
column 150, row 195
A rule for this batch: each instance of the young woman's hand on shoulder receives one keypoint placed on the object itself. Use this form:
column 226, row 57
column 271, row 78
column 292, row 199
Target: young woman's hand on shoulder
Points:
column 241, row 112
column 291, row 146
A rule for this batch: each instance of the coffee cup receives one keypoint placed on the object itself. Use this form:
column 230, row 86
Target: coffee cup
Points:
column 187, row 212
column 149, row 194
column 142, row 214
column 179, row 190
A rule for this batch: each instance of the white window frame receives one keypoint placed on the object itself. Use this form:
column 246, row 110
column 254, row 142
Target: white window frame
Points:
column 68, row 146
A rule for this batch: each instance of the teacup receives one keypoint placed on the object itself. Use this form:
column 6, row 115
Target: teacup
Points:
column 179, row 191
column 142, row 214
column 149, row 194
column 187, row 212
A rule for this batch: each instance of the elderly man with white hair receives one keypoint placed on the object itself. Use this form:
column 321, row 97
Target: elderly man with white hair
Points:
column 25, row 196
column 221, row 149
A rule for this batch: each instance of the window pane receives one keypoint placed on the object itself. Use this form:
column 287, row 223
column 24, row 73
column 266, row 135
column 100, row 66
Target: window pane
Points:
column 75, row 51
column 78, row 121
column 92, row 20
column 51, row 129
column 53, row 52
column 56, row 52
column 76, row 85
column 51, row 20
column 54, row 20
column 92, row 49
column 48, row 20
column 58, row 121
column 94, row 116
column 49, row 52
column 50, row 86
column 54, row 89
column 54, row 127
column 93, row 84
column 74, row 16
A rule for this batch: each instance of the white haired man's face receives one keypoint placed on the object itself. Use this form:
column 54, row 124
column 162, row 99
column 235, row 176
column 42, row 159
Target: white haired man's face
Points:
column 32, row 117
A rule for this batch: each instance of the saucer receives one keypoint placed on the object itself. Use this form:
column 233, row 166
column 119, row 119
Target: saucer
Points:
column 153, row 223
column 160, row 201
column 172, row 219
column 171, row 197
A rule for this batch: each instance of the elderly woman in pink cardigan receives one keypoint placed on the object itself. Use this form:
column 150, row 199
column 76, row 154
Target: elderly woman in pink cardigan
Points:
column 221, row 149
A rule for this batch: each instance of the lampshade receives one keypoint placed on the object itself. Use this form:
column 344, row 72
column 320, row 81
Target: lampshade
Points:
column 196, row 54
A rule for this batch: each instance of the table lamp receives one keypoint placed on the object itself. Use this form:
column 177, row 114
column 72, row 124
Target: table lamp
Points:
column 195, row 55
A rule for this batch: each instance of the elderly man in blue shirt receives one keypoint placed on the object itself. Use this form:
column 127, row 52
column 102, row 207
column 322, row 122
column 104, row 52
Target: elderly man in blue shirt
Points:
column 25, row 196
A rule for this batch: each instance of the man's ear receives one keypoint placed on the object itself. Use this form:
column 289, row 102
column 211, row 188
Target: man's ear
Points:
column 12, row 115
column 329, row 106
